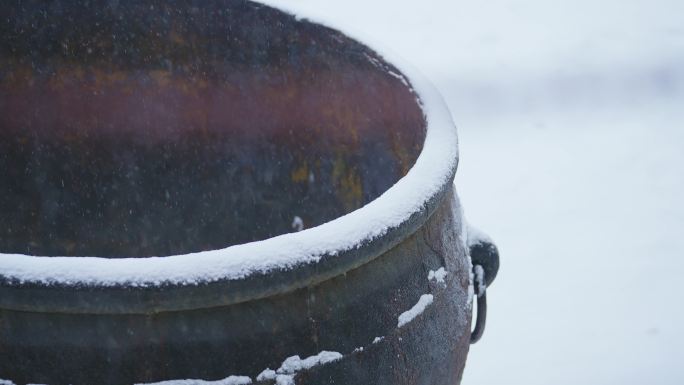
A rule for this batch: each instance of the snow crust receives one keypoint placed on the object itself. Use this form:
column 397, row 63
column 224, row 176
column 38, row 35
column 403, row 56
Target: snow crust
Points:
column 289, row 368
column 294, row 364
column 438, row 275
column 232, row 380
column 267, row 374
column 285, row 379
column 297, row 223
column 417, row 309
column 430, row 172
column 471, row 284
column 479, row 279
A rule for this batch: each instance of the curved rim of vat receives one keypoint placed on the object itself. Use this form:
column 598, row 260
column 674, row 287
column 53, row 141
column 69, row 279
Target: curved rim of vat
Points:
column 240, row 273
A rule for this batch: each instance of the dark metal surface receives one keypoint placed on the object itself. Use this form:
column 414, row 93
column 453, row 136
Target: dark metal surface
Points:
column 132, row 129
column 486, row 254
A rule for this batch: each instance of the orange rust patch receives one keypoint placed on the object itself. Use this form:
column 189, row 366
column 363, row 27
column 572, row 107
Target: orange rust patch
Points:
column 301, row 173
column 347, row 184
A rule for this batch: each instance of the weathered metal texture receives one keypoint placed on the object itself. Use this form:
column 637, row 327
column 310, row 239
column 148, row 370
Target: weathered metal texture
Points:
column 167, row 127
column 130, row 129
column 340, row 314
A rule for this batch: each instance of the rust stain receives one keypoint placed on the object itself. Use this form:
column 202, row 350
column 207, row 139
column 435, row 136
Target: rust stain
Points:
column 177, row 38
column 401, row 153
column 347, row 184
column 161, row 77
column 301, row 173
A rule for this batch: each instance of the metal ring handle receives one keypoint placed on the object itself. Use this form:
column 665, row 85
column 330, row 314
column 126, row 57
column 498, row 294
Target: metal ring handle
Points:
column 485, row 259
column 481, row 294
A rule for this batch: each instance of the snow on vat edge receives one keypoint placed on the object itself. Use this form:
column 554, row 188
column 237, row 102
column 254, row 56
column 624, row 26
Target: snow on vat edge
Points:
column 429, row 174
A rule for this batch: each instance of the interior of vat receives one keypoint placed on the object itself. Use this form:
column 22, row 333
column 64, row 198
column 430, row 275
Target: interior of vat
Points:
column 131, row 131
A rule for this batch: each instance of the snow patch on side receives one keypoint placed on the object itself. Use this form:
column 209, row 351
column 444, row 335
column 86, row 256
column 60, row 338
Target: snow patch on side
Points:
column 6, row 382
column 289, row 368
column 417, row 309
column 471, row 285
column 438, row 275
column 297, row 223
column 285, row 379
column 294, row 364
column 267, row 374
column 378, row 339
column 232, row 380
column 479, row 278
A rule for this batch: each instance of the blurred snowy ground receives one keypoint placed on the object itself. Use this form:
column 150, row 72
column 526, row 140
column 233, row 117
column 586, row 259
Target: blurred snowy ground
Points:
column 571, row 119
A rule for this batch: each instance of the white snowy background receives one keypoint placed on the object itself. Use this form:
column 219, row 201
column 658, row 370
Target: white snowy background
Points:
column 571, row 121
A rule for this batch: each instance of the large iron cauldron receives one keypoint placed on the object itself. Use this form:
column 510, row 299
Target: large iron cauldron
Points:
column 156, row 161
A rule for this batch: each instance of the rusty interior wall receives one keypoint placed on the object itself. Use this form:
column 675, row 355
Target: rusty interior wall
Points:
column 158, row 128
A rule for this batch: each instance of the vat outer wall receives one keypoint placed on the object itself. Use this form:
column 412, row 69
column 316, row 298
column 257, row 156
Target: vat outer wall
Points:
column 342, row 314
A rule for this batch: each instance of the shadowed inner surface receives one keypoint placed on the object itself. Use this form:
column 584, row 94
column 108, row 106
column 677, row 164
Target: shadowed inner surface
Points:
column 160, row 128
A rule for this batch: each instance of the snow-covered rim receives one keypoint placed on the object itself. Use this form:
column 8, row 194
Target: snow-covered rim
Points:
column 433, row 170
